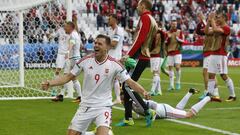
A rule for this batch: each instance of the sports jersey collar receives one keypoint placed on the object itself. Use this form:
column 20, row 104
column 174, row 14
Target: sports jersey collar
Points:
column 146, row 12
column 173, row 30
column 100, row 63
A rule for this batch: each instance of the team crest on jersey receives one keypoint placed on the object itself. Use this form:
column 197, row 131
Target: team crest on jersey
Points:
column 106, row 71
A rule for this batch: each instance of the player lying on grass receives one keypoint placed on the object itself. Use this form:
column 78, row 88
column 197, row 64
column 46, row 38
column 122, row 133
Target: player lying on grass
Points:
column 166, row 111
column 99, row 70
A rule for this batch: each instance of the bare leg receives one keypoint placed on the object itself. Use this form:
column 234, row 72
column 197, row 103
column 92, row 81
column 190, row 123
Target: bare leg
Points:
column 73, row 132
column 102, row 130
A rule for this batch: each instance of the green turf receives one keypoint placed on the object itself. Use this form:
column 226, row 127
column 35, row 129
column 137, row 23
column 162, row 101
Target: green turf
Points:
column 42, row 117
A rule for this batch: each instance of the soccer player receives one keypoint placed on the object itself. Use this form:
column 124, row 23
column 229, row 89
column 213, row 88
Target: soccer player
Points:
column 146, row 30
column 62, row 57
column 156, row 61
column 173, row 46
column 207, row 45
column 218, row 58
column 166, row 111
column 99, row 70
column 74, row 42
column 116, row 34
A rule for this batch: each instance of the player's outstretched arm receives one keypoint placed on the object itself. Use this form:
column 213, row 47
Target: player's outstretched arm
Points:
column 58, row 81
column 138, row 88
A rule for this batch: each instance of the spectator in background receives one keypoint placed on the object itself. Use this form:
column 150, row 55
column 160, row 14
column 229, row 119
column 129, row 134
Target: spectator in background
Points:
column 88, row 5
column 95, row 8
column 40, row 54
column 83, row 36
column 90, row 39
column 105, row 21
column 161, row 9
column 234, row 17
column 99, row 21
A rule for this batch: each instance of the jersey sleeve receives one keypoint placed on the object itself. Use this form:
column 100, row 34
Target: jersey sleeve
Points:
column 116, row 37
column 77, row 68
column 122, row 73
column 226, row 30
column 72, row 40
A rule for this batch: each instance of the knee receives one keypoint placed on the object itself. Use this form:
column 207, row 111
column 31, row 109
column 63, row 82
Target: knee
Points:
column 211, row 76
column 155, row 73
column 224, row 77
column 73, row 132
column 189, row 114
column 102, row 130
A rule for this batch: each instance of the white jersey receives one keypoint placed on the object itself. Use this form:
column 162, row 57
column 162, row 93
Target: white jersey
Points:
column 75, row 40
column 116, row 35
column 63, row 38
column 98, row 80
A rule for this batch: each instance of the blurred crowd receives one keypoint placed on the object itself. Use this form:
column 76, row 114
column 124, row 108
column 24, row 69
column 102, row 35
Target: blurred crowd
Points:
column 41, row 22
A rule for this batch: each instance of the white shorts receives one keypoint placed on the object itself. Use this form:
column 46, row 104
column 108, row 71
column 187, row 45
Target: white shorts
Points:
column 155, row 63
column 85, row 116
column 218, row 64
column 60, row 61
column 176, row 59
column 206, row 62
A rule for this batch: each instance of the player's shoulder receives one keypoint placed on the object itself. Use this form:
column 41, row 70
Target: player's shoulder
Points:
column 85, row 58
column 74, row 34
column 120, row 29
column 226, row 29
column 115, row 61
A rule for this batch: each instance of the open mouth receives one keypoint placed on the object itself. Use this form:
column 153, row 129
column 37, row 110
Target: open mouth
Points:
column 96, row 50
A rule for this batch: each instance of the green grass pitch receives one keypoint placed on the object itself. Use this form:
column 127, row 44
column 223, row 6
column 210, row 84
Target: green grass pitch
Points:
column 43, row 117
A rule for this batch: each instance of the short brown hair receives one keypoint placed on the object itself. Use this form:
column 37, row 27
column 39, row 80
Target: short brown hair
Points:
column 107, row 38
column 220, row 11
column 71, row 24
column 147, row 3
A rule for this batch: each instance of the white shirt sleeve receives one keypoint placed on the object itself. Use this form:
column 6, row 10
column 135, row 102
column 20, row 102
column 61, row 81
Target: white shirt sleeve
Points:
column 123, row 75
column 116, row 37
column 77, row 69
column 72, row 40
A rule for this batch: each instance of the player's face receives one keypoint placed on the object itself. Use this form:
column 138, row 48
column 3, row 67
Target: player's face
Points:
column 67, row 28
column 140, row 8
column 111, row 21
column 100, row 47
column 174, row 24
column 219, row 18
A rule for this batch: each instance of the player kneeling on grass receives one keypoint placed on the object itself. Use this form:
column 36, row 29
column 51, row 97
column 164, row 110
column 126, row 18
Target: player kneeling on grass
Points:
column 100, row 70
column 166, row 111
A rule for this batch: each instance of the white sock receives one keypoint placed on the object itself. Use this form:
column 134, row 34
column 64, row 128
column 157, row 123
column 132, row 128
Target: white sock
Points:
column 65, row 88
column 197, row 107
column 215, row 92
column 178, row 76
column 181, row 105
column 155, row 81
column 159, row 89
column 117, row 89
column 211, row 86
column 230, row 86
column 171, row 77
column 77, row 87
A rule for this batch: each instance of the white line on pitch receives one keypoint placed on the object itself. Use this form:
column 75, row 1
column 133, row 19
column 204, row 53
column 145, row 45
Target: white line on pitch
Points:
column 185, row 83
column 193, row 125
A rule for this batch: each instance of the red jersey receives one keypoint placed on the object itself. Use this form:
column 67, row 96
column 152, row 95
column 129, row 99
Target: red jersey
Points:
column 225, row 34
